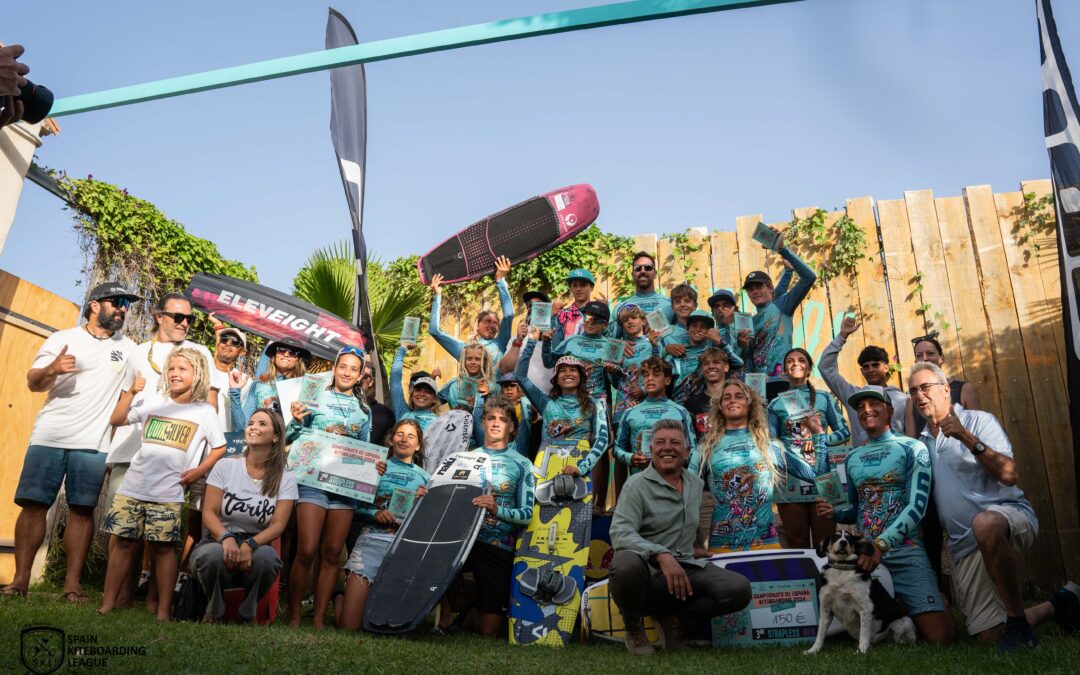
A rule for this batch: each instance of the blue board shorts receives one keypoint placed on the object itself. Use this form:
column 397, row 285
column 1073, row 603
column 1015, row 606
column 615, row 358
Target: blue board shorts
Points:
column 327, row 500
column 368, row 555
column 82, row 472
column 914, row 581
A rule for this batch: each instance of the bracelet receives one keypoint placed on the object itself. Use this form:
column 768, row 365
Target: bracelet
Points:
column 518, row 343
column 252, row 544
column 226, row 535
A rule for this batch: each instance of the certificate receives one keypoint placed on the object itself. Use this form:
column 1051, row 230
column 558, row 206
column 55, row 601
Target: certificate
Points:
column 767, row 237
column 540, row 318
column 658, row 321
column 337, row 464
column 743, row 321
column 410, row 331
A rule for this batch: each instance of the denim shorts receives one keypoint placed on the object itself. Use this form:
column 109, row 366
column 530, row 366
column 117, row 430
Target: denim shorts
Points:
column 368, row 555
column 45, row 468
column 914, row 581
column 327, row 500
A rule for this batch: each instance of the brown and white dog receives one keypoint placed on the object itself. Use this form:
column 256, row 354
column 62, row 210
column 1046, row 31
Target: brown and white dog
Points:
column 861, row 603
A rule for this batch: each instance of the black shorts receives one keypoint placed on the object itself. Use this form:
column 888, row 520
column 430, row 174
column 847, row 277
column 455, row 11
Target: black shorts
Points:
column 493, row 568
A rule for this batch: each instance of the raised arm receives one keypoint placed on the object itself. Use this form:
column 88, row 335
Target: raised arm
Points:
column 506, row 324
column 397, row 393
column 839, row 426
column 452, row 345
column 600, row 437
column 521, row 374
column 790, row 300
column 829, row 368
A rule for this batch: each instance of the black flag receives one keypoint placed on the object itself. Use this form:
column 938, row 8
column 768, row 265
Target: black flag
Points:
column 1061, row 119
column 348, row 131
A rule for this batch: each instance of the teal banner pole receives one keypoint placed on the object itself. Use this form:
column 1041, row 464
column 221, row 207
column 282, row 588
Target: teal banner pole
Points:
column 393, row 48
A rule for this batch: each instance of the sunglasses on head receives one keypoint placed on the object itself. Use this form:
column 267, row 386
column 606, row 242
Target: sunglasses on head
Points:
column 178, row 317
column 119, row 303
column 230, row 340
column 355, row 351
column 644, row 268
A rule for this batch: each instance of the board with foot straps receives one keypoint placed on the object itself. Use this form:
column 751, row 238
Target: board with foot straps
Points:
column 430, row 548
column 782, row 605
column 553, row 552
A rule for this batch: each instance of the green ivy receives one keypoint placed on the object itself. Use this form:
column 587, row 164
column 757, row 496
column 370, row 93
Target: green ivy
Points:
column 842, row 245
column 1033, row 218
column 129, row 239
column 684, row 249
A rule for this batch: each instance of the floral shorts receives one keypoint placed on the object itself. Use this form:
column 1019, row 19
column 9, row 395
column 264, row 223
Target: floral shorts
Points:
column 135, row 519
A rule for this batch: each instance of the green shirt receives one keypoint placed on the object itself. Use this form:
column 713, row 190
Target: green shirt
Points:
column 652, row 517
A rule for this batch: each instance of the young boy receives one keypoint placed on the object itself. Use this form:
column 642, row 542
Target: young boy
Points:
column 674, row 345
column 626, row 378
column 569, row 320
column 523, row 410
column 685, row 367
column 657, row 406
column 588, row 347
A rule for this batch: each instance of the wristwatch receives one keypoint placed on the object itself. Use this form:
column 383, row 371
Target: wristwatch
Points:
column 252, row 544
column 226, row 535
column 978, row 447
column 882, row 545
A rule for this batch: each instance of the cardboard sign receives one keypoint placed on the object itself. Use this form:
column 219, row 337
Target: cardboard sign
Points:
column 338, row 464
column 780, row 613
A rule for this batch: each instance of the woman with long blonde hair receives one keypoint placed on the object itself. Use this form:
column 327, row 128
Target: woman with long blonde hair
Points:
column 743, row 465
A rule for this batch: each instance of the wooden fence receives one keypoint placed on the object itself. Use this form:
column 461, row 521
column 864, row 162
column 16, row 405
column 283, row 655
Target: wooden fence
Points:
column 950, row 264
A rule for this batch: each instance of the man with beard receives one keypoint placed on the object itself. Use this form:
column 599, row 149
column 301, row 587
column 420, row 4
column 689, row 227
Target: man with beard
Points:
column 82, row 370
column 645, row 294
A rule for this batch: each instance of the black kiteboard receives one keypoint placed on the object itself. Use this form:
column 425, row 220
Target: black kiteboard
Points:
column 430, row 548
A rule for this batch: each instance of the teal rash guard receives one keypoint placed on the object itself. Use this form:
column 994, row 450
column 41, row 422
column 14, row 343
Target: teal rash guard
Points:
column 513, row 485
column 643, row 416
column 399, row 476
column 773, row 326
column 402, row 409
column 495, row 347
column 337, row 413
column 797, row 438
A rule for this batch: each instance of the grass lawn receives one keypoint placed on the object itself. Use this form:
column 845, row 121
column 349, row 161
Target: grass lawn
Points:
column 188, row 647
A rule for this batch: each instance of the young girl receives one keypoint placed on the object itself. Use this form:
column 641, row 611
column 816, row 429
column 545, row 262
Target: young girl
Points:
column 324, row 516
column 281, row 360
column 492, row 334
column 626, row 378
column 148, row 502
column 423, row 404
column 569, row 412
column 403, row 475
column 807, row 438
column 742, row 467
column 475, row 364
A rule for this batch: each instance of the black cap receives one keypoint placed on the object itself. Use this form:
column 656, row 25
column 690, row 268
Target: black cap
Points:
column 756, row 277
column 534, row 295
column 305, row 353
column 111, row 289
column 598, row 309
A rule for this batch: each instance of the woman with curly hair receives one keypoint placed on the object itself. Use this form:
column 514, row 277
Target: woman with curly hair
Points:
column 476, row 376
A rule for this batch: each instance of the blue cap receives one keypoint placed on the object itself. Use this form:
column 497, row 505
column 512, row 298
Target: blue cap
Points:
column 582, row 274
column 722, row 294
column 700, row 316
column 869, row 391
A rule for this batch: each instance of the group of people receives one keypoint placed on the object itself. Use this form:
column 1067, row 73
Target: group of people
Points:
column 695, row 429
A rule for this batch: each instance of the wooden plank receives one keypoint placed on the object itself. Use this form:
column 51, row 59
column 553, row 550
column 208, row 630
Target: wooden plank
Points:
column 844, row 293
column 930, row 260
column 725, row 261
column 1046, row 259
column 669, row 270
column 812, row 324
column 751, row 255
column 870, row 282
column 700, row 275
column 904, row 295
column 975, row 361
column 1019, row 419
column 1046, row 382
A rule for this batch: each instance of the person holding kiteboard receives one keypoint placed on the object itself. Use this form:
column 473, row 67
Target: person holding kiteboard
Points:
column 493, row 334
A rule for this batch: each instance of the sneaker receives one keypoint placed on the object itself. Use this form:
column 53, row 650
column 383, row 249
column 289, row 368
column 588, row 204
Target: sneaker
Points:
column 637, row 642
column 1017, row 638
column 671, row 628
column 1066, row 603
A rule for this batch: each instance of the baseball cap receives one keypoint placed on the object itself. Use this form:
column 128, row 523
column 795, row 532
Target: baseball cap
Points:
column 869, row 391
column 722, row 294
column 424, row 380
column 507, row 378
column 229, row 330
column 534, row 295
column 757, row 276
column 598, row 309
column 582, row 274
column 111, row 289
column 700, row 316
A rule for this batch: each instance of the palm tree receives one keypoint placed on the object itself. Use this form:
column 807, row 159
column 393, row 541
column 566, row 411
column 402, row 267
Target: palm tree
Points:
column 327, row 280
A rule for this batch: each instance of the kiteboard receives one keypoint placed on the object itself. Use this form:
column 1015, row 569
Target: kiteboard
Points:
column 449, row 434
column 520, row 233
column 430, row 548
column 783, row 609
column 553, row 551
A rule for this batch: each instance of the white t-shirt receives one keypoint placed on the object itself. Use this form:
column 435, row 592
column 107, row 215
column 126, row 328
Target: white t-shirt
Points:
column 126, row 440
column 539, row 374
column 244, row 508
column 173, row 435
column 77, row 408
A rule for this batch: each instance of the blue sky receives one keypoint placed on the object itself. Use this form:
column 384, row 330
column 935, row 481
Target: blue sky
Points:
column 677, row 123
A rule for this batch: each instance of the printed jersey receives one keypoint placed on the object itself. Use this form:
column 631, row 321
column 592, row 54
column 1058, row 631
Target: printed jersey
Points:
column 888, row 488
column 648, row 302
column 338, row 413
column 699, row 405
column 399, row 476
column 402, row 411
column 589, row 349
column 797, row 438
column 628, row 378
column 451, row 393
column 494, row 347
column 513, row 485
column 740, row 480
column 523, row 410
column 642, row 417
column 773, row 328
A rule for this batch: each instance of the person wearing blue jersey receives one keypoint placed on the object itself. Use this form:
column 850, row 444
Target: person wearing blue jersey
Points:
column 281, row 360
column 626, row 377
column 986, row 517
column 888, row 489
column 423, row 403
column 508, row 507
column 685, row 356
column 523, row 410
column 773, row 326
column 723, row 305
column 569, row 412
column 742, row 466
column 476, row 376
column 645, row 294
column 805, row 435
column 323, row 518
column 492, row 333
column 379, row 524
column 587, row 348
column 629, row 446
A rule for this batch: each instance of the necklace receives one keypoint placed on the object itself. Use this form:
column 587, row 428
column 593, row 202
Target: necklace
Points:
column 103, row 337
column 150, row 358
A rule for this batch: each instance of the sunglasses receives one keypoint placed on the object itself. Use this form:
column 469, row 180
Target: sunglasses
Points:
column 286, row 351
column 355, row 351
column 178, row 317
column 594, row 320
column 230, row 341
column 119, row 303
column 644, row 268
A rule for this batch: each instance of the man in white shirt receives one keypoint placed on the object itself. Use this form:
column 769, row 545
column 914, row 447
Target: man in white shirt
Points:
column 82, row 370
column 230, row 345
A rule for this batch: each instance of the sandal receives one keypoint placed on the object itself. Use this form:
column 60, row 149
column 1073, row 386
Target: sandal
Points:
column 75, row 597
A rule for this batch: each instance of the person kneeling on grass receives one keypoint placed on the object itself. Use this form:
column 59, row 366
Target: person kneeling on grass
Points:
column 656, row 569
column 247, row 505
column 508, row 506
column 148, row 501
